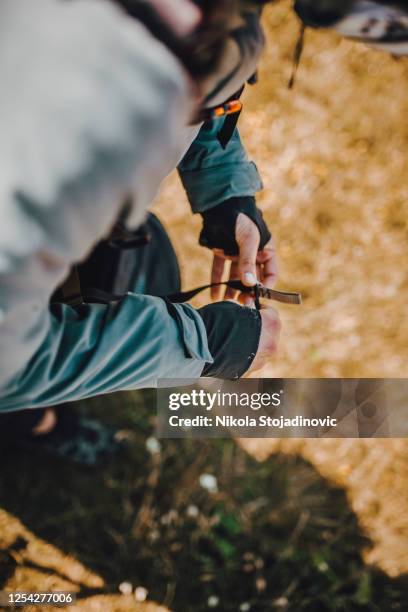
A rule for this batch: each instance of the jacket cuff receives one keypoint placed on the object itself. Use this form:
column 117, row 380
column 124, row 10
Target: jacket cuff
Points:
column 209, row 187
column 233, row 334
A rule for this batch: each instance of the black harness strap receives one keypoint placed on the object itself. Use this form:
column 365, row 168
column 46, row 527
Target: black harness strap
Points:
column 258, row 291
column 230, row 109
column 227, row 130
column 71, row 289
column 74, row 296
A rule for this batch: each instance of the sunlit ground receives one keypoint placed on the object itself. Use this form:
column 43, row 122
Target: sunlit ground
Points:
column 333, row 157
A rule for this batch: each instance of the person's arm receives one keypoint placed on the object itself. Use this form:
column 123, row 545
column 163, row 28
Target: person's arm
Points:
column 96, row 349
column 221, row 183
column 212, row 174
column 99, row 110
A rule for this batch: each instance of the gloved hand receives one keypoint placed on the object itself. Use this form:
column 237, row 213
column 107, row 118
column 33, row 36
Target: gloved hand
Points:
column 236, row 231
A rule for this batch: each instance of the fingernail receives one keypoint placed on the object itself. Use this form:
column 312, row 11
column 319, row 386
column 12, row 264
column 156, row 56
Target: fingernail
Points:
column 250, row 278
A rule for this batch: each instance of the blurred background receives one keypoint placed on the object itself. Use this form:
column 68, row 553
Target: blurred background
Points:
column 332, row 153
column 294, row 525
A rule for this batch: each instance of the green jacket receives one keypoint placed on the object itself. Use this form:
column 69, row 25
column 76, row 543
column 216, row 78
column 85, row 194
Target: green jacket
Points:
column 58, row 181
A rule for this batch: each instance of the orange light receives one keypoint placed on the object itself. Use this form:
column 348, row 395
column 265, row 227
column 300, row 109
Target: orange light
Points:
column 235, row 106
column 219, row 112
column 229, row 108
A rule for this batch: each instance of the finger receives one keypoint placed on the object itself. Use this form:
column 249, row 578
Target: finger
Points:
column 268, row 258
column 217, row 271
column 268, row 251
column 231, row 294
column 270, row 271
column 247, row 237
column 221, row 253
column 246, row 300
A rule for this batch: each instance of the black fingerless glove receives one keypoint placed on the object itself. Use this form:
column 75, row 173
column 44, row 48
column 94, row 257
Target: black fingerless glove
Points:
column 233, row 334
column 219, row 224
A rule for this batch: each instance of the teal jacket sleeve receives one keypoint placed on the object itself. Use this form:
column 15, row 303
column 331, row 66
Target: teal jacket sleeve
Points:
column 100, row 110
column 96, row 349
column 211, row 174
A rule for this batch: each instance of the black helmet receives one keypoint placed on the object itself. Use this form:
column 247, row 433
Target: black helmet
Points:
column 322, row 13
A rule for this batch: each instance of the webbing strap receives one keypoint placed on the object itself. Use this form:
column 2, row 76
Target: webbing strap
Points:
column 71, row 289
column 258, row 291
column 74, row 296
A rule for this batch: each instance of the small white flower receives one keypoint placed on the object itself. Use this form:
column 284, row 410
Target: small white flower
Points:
column 192, row 511
column 282, row 602
column 259, row 563
column 261, row 584
column 209, row 482
column 153, row 446
column 169, row 518
column 126, row 588
column 141, row 594
column 213, row 601
column 154, row 535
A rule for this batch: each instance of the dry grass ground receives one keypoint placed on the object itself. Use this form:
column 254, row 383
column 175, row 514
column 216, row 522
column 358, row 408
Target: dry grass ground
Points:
column 333, row 156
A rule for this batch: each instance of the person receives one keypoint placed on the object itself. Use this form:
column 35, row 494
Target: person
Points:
column 88, row 120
